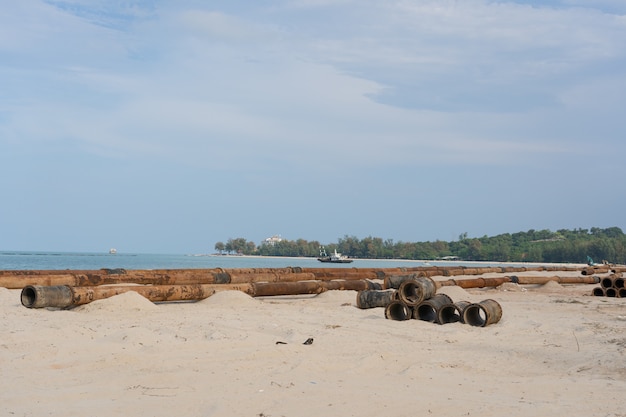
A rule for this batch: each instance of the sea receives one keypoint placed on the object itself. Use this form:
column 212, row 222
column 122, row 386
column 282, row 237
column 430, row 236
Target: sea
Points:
column 31, row 260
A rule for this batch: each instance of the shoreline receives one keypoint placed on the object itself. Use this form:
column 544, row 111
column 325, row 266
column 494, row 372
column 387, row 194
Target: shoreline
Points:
column 424, row 261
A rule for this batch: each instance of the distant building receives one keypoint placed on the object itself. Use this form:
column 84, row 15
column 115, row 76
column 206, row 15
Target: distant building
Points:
column 273, row 240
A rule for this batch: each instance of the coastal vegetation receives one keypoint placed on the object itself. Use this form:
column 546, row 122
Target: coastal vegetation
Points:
column 532, row 246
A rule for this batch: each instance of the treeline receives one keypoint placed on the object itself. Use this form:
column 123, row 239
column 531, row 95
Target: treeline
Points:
column 532, row 246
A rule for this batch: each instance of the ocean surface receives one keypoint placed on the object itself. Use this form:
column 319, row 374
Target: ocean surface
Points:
column 10, row 260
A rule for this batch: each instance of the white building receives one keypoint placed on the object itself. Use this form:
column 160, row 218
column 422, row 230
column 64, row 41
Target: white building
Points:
column 273, row 240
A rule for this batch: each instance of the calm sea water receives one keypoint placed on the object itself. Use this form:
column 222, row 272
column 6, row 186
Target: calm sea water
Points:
column 63, row 260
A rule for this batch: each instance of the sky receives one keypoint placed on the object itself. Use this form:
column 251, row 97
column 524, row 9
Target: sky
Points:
column 166, row 127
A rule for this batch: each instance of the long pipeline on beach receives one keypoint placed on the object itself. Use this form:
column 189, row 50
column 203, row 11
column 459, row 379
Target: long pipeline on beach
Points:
column 20, row 278
column 64, row 296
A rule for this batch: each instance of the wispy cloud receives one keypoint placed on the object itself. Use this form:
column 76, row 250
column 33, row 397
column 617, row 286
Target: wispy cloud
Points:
column 353, row 89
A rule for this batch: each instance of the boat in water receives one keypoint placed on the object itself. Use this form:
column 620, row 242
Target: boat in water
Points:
column 336, row 257
column 112, row 251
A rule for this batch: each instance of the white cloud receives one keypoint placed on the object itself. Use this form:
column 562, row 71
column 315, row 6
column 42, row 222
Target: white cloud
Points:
column 401, row 81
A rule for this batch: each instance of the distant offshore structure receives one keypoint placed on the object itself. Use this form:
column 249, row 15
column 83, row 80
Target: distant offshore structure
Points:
column 112, row 251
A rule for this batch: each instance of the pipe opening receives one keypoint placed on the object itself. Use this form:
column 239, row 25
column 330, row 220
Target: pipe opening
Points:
column 621, row 293
column 397, row 310
column 29, row 296
column 606, row 282
column 618, row 283
column 449, row 314
column 611, row 292
column 475, row 315
column 425, row 312
column 411, row 292
column 599, row 292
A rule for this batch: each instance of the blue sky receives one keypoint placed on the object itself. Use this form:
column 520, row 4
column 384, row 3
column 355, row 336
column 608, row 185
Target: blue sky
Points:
column 165, row 127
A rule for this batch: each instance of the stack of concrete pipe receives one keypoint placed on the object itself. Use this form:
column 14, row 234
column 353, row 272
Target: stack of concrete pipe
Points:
column 415, row 297
column 611, row 286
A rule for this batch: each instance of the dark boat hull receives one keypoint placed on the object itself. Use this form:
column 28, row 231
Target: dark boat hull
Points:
column 335, row 261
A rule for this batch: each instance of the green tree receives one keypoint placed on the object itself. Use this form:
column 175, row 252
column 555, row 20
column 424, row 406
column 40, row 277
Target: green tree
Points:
column 220, row 247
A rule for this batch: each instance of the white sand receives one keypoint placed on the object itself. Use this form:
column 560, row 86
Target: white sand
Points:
column 556, row 351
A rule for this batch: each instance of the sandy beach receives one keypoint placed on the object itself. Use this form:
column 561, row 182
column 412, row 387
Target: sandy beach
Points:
column 556, row 351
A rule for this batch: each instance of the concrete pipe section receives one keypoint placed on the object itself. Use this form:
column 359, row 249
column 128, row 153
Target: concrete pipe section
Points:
column 428, row 310
column 398, row 310
column 414, row 291
column 482, row 314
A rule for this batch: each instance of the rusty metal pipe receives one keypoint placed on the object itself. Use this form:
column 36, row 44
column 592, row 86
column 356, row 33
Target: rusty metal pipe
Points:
column 529, row 280
column 63, row 296
column 475, row 282
column 600, row 269
column 92, row 278
column 171, row 277
column 20, row 278
column 261, row 289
